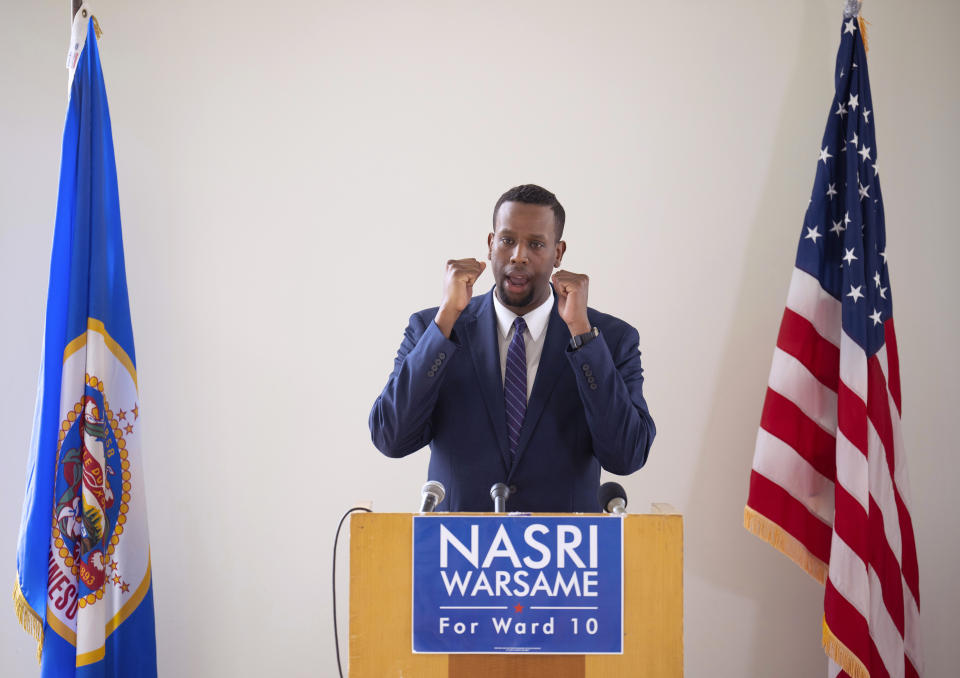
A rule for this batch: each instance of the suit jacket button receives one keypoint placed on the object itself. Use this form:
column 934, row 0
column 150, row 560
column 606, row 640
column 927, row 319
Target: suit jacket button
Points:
column 513, row 490
column 593, row 387
column 585, row 367
column 437, row 362
column 441, row 355
column 590, row 379
column 432, row 371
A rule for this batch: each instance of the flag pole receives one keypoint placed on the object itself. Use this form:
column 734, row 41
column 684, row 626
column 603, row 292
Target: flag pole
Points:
column 852, row 9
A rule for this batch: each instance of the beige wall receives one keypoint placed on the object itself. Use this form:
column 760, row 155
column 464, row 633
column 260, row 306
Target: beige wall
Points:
column 293, row 176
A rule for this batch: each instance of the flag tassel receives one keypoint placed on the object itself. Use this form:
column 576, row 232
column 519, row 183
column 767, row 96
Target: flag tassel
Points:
column 29, row 620
column 841, row 654
column 780, row 539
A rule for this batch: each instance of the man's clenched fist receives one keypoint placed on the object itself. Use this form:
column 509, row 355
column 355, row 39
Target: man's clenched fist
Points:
column 571, row 291
column 458, row 282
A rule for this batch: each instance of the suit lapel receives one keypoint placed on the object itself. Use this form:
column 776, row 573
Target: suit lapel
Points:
column 552, row 363
column 480, row 340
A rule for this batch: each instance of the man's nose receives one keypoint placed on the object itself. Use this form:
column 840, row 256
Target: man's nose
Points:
column 519, row 253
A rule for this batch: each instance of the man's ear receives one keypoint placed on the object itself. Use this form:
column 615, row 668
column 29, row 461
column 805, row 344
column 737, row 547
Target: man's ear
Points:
column 490, row 246
column 561, row 248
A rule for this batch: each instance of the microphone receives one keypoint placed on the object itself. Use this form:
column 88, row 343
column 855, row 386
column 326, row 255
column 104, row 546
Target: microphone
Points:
column 613, row 498
column 499, row 494
column 431, row 495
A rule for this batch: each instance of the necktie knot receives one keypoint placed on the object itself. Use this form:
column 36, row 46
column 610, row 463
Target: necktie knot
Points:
column 519, row 324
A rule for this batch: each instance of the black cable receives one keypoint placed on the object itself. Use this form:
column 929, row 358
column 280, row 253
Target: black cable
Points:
column 336, row 635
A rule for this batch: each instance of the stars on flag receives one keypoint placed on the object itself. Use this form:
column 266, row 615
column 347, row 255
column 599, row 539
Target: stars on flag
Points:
column 882, row 290
column 875, row 317
column 845, row 197
column 117, row 577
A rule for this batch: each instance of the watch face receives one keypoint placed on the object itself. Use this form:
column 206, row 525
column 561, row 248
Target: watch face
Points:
column 581, row 339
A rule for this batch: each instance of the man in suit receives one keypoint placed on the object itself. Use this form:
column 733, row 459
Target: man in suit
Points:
column 524, row 385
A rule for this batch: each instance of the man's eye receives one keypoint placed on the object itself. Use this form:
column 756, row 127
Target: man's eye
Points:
column 506, row 241
column 535, row 244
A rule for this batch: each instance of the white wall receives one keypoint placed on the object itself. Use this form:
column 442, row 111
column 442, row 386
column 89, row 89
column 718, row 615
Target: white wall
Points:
column 293, row 176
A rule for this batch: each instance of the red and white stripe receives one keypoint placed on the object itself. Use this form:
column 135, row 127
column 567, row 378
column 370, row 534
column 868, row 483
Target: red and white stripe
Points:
column 829, row 484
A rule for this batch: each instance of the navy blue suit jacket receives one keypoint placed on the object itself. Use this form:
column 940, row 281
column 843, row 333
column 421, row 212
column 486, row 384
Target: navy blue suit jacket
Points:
column 586, row 410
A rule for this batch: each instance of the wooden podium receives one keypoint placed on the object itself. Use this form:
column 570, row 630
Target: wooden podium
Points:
column 381, row 573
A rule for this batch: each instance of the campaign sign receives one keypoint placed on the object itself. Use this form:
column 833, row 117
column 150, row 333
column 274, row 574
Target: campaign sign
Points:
column 523, row 583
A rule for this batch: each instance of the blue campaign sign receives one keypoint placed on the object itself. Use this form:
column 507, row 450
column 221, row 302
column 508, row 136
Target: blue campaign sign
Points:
column 535, row 584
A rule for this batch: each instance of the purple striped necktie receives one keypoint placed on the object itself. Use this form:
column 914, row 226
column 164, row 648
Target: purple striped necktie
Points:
column 515, row 384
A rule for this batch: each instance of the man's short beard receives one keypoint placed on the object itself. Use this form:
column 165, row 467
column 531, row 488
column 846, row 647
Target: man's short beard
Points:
column 525, row 301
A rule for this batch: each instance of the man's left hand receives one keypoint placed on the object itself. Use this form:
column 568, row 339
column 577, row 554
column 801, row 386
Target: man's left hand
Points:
column 572, row 300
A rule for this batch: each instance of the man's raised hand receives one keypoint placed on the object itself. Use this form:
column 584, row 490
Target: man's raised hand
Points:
column 458, row 282
column 571, row 291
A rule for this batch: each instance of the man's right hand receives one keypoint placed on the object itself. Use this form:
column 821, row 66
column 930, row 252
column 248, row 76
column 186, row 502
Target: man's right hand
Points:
column 458, row 283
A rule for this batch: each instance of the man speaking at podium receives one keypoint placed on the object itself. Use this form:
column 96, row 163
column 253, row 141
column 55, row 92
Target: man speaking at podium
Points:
column 524, row 385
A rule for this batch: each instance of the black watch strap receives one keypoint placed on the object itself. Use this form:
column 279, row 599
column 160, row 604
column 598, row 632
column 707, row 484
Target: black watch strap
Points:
column 580, row 340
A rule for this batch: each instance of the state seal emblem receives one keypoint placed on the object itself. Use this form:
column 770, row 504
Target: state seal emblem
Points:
column 92, row 493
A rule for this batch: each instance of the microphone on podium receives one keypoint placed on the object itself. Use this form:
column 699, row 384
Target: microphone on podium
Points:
column 499, row 493
column 431, row 494
column 613, row 498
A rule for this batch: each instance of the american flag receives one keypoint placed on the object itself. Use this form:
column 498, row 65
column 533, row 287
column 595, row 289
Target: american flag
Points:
column 829, row 482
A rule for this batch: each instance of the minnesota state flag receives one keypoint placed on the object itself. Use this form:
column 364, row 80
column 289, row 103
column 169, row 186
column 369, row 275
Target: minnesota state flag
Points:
column 84, row 587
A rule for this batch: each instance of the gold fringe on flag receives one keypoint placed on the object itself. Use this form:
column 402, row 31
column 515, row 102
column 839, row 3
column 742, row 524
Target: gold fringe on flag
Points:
column 863, row 32
column 781, row 540
column 841, row 654
column 28, row 619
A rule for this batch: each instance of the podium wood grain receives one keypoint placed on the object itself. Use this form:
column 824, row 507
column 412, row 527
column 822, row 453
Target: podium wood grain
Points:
column 381, row 576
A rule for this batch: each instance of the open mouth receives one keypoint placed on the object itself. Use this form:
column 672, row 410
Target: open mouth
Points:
column 517, row 282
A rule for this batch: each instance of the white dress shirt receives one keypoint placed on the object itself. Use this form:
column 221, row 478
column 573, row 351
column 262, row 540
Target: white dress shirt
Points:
column 533, row 337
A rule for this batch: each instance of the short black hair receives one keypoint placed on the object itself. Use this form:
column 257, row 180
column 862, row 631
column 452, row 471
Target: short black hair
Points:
column 532, row 194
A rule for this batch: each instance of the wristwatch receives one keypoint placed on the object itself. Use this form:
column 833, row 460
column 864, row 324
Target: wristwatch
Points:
column 583, row 339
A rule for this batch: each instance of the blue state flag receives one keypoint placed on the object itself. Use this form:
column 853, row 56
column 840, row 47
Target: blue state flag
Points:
column 84, row 587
